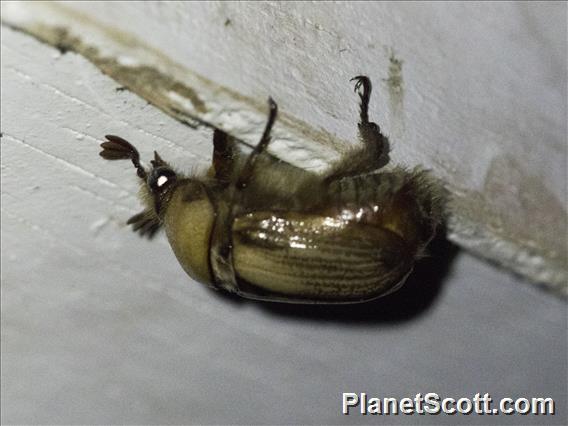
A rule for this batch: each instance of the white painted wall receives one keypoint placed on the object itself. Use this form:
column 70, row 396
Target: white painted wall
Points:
column 482, row 100
column 99, row 326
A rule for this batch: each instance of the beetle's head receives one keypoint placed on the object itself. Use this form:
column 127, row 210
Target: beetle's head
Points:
column 158, row 181
column 187, row 215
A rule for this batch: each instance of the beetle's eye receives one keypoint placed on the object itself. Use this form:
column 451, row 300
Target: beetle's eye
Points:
column 161, row 178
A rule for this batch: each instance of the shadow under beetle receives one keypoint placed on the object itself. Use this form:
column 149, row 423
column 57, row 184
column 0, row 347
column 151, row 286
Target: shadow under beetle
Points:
column 264, row 229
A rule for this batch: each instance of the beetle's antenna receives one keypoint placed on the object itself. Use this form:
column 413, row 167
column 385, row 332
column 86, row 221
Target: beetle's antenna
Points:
column 117, row 148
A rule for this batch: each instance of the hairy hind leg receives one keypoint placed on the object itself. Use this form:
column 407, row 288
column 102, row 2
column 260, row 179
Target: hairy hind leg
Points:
column 372, row 153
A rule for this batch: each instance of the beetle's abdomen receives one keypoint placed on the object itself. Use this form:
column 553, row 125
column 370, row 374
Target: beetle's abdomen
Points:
column 408, row 203
column 315, row 258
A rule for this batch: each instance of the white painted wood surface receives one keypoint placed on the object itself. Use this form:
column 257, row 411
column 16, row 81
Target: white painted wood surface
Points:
column 481, row 98
column 99, row 326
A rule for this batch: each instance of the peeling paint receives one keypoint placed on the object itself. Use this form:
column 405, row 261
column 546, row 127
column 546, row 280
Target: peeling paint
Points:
column 155, row 83
column 147, row 81
column 510, row 186
column 536, row 249
column 150, row 83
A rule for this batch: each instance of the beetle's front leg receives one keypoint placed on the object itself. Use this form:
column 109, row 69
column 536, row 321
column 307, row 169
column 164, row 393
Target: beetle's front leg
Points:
column 224, row 156
column 146, row 223
column 372, row 154
column 227, row 208
column 248, row 169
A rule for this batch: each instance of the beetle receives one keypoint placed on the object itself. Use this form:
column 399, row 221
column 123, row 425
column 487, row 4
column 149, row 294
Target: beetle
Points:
column 264, row 229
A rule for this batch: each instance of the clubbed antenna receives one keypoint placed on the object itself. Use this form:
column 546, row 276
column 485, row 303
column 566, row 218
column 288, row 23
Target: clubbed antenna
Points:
column 117, row 148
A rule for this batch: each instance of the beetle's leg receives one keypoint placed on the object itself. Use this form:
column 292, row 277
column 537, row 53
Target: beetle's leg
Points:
column 224, row 156
column 365, row 95
column 146, row 223
column 226, row 209
column 372, row 154
column 376, row 144
column 248, row 168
